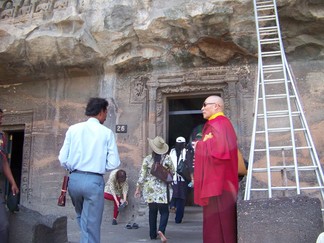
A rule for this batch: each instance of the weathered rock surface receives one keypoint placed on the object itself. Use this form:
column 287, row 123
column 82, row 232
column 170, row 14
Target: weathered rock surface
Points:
column 38, row 37
column 55, row 54
column 30, row 226
column 286, row 219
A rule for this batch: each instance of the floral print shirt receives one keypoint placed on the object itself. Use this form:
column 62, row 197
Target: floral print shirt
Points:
column 154, row 190
column 113, row 187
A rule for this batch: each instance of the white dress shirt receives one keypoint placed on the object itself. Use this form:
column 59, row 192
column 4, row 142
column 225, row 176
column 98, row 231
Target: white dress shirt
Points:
column 89, row 146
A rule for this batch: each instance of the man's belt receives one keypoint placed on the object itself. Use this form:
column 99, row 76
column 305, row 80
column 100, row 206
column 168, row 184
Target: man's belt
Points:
column 85, row 172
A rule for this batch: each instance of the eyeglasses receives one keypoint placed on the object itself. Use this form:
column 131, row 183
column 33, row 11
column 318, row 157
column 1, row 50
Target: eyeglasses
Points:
column 205, row 104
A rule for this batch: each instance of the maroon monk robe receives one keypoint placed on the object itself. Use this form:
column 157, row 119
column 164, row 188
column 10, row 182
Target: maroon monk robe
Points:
column 216, row 180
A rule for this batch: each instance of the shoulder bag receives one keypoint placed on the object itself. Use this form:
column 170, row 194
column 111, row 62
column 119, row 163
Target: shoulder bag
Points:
column 162, row 173
column 183, row 170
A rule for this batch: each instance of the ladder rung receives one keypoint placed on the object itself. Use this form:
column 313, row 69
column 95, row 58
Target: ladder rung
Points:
column 287, row 167
column 265, row 7
column 277, row 188
column 274, row 130
column 283, row 188
column 258, row 3
column 274, row 81
column 263, row 2
column 278, row 114
column 283, row 129
column 270, row 33
column 272, row 68
column 275, row 148
column 268, row 28
column 305, row 147
column 270, row 53
column 267, row 18
column 277, row 96
column 311, row 187
column 269, row 41
column 271, row 29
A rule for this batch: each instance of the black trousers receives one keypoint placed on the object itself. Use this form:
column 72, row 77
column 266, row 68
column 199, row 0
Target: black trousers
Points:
column 163, row 209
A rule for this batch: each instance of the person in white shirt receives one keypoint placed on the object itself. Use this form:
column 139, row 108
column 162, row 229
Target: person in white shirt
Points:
column 88, row 151
column 180, row 182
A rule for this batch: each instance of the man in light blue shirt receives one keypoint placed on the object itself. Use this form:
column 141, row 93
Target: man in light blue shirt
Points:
column 88, row 151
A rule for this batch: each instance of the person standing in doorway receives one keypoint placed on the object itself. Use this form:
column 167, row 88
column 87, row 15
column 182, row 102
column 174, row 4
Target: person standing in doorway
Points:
column 180, row 184
column 216, row 174
column 88, row 151
column 155, row 191
column 116, row 190
column 6, row 171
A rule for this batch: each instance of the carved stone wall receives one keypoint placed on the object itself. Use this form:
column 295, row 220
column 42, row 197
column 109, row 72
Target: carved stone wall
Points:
column 25, row 9
column 55, row 54
column 151, row 93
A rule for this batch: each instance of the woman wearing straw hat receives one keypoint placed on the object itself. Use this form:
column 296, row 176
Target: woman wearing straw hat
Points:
column 154, row 190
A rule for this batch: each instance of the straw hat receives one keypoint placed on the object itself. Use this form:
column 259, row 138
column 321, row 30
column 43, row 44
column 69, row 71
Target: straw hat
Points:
column 158, row 145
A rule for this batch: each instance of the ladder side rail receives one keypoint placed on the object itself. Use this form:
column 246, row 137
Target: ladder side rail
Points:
column 308, row 136
column 247, row 194
column 292, row 134
column 303, row 120
column 264, row 105
column 265, row 120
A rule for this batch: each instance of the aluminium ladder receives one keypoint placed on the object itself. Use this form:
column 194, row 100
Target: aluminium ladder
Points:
column 283, row 159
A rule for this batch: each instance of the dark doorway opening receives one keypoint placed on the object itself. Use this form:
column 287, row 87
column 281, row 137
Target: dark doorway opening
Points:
column 184, row 118
column 15, row 156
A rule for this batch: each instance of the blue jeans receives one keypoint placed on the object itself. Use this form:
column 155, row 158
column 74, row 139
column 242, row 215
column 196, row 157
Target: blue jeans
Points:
column 179, row 204
column 87, row 194
column 154, row 208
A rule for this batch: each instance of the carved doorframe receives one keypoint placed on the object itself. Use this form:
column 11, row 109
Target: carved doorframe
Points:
column 22, row 120
column 196, row 82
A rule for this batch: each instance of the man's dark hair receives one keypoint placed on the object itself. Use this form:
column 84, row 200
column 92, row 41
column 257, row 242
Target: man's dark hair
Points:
column 1, row 111
column 95, row 106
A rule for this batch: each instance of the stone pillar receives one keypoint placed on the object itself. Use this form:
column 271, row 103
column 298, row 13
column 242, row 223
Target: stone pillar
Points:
column 151, row 126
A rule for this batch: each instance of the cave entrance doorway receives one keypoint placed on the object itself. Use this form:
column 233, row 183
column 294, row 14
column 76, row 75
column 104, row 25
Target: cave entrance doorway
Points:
column 184, row 119
column 184, row 116
column 15, row 143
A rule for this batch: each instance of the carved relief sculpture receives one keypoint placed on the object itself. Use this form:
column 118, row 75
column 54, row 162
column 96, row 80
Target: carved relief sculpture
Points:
column 61, row 4
column 25, row 9
column 138, row 89
column 8, row 10
column 42, row 7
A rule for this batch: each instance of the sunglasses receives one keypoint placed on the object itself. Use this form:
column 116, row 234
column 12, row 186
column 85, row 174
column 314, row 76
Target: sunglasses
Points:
column 205, row 104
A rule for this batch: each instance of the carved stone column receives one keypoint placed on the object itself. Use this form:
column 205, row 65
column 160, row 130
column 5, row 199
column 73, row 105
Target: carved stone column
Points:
column 233, row 102
column 151, row 109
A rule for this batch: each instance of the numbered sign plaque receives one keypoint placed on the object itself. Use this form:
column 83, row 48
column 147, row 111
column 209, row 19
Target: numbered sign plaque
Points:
column 121, row 128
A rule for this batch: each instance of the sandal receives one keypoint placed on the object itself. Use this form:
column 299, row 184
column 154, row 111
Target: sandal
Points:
column 128, row 226
column 135, row 226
